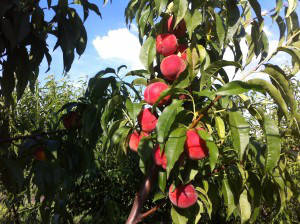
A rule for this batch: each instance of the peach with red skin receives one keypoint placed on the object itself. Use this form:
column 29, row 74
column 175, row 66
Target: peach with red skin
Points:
column 179, row 30
column 40, row 154
column 166, row 44
column 172, row 66
column 147, row 120
column 135, row 139
column 159, row 157
column 71, row 120
column 153, row 91
column 195, row 146
column 183, row 196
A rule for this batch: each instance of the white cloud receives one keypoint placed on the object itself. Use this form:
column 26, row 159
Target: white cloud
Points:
column 119, row 45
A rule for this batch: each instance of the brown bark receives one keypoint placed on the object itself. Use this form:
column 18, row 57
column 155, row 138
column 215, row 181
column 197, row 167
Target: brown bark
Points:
column 135, row 215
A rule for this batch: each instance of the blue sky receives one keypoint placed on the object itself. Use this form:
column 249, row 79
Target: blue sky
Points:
column 111, row 44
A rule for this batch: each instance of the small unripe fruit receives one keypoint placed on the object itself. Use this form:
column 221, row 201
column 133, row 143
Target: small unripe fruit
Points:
column 147, row 120
column 166, row 44
column 195, row 146
column 182, row 50
column 160, row 159
column 135, row 139
column 40, row 154
column 183, row 196
column 180, row 29
column 71, row 120
column 153, row 91
column 172, row 66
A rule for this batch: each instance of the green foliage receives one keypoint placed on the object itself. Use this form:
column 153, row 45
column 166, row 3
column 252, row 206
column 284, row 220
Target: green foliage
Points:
column 23, row 40
column 250, row 126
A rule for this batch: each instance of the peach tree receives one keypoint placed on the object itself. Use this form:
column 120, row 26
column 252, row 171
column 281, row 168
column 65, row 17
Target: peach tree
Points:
column 191, row 131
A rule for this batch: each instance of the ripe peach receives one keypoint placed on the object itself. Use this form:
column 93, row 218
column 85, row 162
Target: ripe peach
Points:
column 71, row 120
column 40, row 154
column 172, row 66
column 135, row 139
column 147, row 120
column 183, row 196
column 153, row 91
column 166, row 44
column 182, row 49
column 180, row 29
column 195, row 146
column 160, row 159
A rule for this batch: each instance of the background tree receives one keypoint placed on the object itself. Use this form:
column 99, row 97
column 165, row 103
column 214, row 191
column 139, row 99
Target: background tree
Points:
column 83, row 162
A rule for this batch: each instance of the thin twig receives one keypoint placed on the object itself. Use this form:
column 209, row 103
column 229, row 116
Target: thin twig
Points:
column 196, row 121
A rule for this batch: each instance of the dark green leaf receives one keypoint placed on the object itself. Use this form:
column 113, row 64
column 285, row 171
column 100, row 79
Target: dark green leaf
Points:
column 236, row 87
column 245, row 207
column 174, row 147
column 148, row 52
column 273, row 143
column 166, row 120
column 240, row 132
column 213, row 149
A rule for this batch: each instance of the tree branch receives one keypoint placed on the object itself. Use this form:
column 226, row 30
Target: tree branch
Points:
column 195, row 122
column 8, row 140
column 135, row 215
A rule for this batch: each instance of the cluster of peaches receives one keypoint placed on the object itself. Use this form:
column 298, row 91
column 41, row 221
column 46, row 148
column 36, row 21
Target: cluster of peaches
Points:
column 172, row 65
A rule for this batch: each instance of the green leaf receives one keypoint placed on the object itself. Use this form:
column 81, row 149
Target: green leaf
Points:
column 133, row 109
column 213, row 149
column 166, row 120
column 245, row 207
column 233, row 18
column 279, row 76
column 228, row 197
column 213, row 68
column 237, row 87
column 162, row 180
column 177, row 218
column 274, row 93
column 141, row 73
column 140, row 82
column 148, row 52
column 145, row 151
column 220, row 126
column 174, row 147
column 257, row 9
column 180, row 8
column 160, row 5
column 282, row 29
column 192, row 21
column 220, row 29
column 239, row 131
column 292, row 7
column 273, row 143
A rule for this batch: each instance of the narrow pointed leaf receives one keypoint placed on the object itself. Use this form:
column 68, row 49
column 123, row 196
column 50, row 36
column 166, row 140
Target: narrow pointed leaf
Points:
column 240, row 132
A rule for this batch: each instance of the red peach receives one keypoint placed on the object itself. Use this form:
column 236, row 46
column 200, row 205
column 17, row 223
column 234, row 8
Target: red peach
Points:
column 40, row 154
column 182, row 49
column 153, row 91
column 172, row 66
column 160, row 159
column 147, row 120
column 180, row 29
column 71, row 120
column 166, row 44
column 183, row 196
column 195, row 146
column 135, row 139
